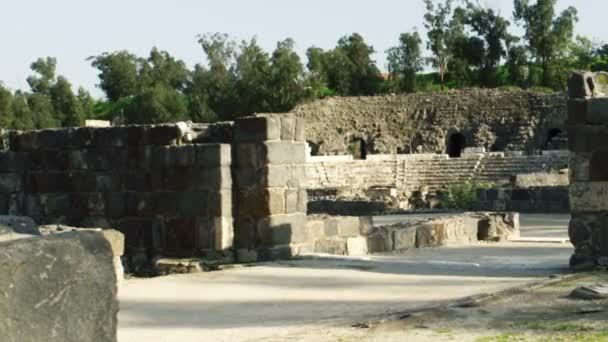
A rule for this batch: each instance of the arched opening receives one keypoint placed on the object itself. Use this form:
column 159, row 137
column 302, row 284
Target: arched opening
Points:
column 456, row 144
column 556, row 139
column 598, row 166
column 314, row 148
column 358, row 148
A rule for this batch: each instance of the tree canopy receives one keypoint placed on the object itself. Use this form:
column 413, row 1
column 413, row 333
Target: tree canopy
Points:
column 466, row 44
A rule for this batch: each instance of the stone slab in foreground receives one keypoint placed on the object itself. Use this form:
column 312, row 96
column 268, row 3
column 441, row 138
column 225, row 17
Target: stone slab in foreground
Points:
column 58, row 288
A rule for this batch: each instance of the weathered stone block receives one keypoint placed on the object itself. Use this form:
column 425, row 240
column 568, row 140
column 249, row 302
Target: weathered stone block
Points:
column 110, row 136
column 213, row 154
column 586, row 138
column 107, row 182
column 224, row 233
column 581, row 85
column 302, row 200
column 18, row 225
column 291, row 201
column 257, row 129
column 598, row 166
column 250, row 156
column 366, row 224
column 73, row 297
column 115, row 204
column 12, row 161
column 220, row 203
column 277, row 175
column 10, row 182
column 348, row 226
column 404, row 238
column 577, row 111
column 356, row 246
column 245, row 232
column 379, row 242
column 285, row 153
column 288, row 126
column 589, row 197
column 181, row 235
column 182, row 156
column 316, row 228
column 164, row 135
column 331, row 246
column 300, row 130
column 191, row 203
column 282, row 229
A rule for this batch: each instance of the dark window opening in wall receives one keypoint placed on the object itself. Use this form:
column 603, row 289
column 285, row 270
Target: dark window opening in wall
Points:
column 358, row 148
column 598, row 166
column 554, row 139
column 314, row 148
column 456, row 145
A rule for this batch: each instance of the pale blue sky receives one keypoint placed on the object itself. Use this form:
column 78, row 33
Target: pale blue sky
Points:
column 73, row 30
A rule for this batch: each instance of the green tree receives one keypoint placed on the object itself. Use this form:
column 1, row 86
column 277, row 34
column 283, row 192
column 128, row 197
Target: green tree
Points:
column 547, row 35
column 405, row 61
column 118, row 74
column 6, row 110
column 517, row 66
column 157, row 104
column 66, row 107
column 214, row 87
column 22, row 115
column 252, row 70
column 316, row 80
column 162, row 69
column 286, row 73
column 439, row 33
column 355, row 56
column 45, row 70
column 494, row 30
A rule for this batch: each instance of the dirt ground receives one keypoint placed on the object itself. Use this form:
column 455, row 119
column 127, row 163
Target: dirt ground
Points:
column 542, row 314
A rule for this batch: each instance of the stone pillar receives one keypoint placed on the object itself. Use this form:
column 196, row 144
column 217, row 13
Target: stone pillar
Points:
column 269, row 156
column 588, row 144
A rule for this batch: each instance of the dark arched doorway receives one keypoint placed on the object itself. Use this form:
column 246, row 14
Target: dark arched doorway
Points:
column 358, row 148
column 456, row 144
column 556, row 140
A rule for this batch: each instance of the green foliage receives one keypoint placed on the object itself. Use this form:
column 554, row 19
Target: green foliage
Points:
column 547, row 35
column 404, row 62
column 470, row 45
column 464, row 195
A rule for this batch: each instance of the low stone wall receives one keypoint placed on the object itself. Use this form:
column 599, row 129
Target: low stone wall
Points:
column 357, row 236
column 525, row 200
column 541, row 179
column 58, row 287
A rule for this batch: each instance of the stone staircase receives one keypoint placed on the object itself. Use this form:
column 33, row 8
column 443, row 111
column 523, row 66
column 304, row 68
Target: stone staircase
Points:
column 434, row 172
column 499, row 168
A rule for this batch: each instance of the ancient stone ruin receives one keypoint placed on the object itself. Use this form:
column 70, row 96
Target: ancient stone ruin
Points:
column 588, row 134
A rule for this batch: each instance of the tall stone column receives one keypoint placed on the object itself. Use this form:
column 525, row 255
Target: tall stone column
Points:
column 269, row 154
column 588, row 143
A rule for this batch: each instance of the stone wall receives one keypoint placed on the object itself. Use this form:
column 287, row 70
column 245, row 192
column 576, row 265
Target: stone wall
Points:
column 525, row 200
column 588, row 134
column 269, row 168
column 167, row 195
column 498, row 120
column 356, row 236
